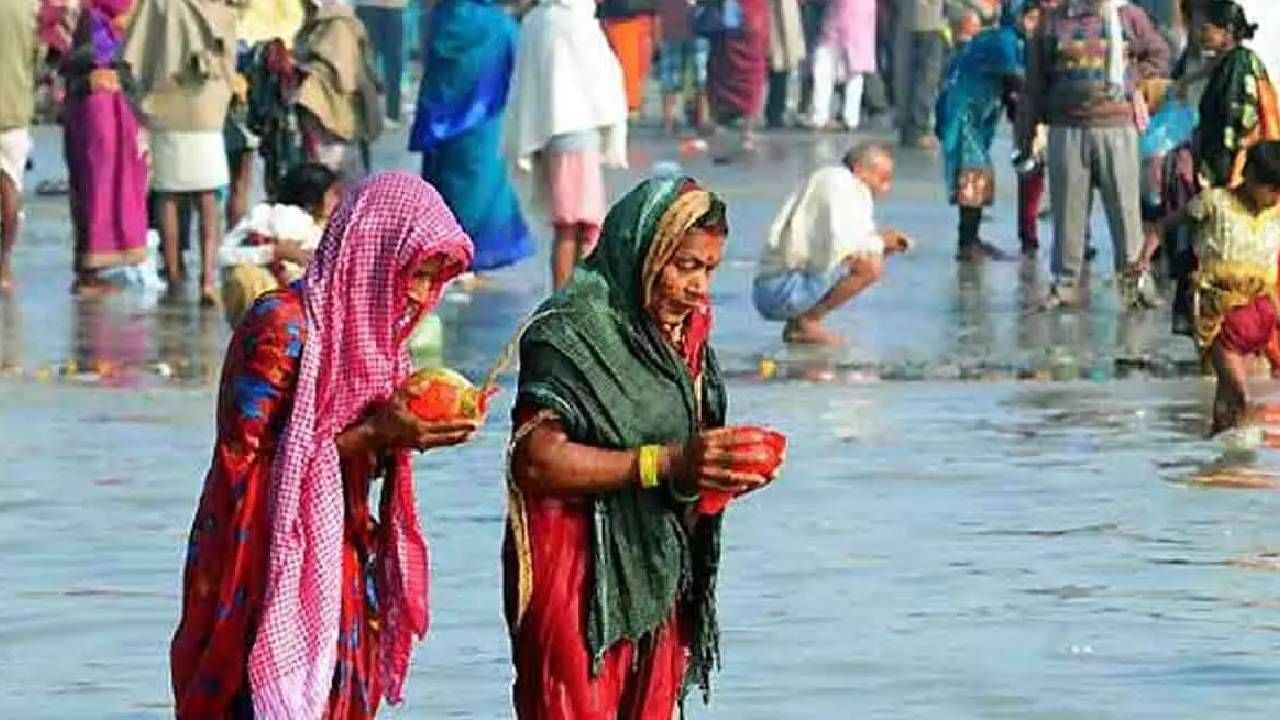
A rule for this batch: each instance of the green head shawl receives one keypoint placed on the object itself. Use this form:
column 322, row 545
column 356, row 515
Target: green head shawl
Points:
column 595, row 358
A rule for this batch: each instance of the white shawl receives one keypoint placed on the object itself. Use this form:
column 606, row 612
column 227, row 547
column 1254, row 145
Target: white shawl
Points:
column 566, row 80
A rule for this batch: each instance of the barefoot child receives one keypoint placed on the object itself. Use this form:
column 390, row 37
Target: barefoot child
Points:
column 1237, row 247
column 824, row 248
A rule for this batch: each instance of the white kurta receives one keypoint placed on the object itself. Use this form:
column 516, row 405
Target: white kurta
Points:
column 830, row 218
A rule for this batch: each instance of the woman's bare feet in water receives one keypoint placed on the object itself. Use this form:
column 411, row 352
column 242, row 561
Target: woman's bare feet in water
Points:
column 803, row 331
column 6, row 280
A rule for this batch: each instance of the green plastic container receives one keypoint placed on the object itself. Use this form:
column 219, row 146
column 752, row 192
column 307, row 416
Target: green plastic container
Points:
column 426, row 344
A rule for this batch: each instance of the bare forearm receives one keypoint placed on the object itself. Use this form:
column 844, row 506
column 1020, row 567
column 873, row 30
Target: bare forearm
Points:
column 355, row 442
column 1150, row 245
column 1172, row 220
column 546, row 462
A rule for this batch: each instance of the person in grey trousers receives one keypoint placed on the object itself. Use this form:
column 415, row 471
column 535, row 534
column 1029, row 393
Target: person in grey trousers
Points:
column 918, row 59
column 1083, row 66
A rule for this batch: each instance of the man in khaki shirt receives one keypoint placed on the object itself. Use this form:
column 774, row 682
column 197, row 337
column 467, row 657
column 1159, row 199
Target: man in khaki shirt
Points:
column 17, row 101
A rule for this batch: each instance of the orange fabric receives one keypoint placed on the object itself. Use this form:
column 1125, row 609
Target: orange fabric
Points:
column 1268, row 128
column 632, row 41
column 104, row 80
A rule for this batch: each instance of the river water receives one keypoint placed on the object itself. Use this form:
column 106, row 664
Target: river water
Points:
column 983, row 515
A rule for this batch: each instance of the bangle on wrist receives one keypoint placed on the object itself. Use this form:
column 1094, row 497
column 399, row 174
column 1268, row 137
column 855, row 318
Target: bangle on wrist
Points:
column 682, row 498
column 648, row 459
column 673, row 484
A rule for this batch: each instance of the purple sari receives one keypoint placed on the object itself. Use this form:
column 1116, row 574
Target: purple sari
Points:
column 107, row 171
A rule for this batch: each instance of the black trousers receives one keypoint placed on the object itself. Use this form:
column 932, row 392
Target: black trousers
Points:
column 775, row 106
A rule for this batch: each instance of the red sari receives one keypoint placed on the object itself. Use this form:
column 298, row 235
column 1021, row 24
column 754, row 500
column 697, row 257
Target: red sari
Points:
column 225, row 575
column 738, row 66
column 547, row 554
column 635, row 681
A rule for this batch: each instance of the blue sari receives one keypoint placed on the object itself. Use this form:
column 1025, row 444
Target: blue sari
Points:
column 971, row 100
column 469, row 57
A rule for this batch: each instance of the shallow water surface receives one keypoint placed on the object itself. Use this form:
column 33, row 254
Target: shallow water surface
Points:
column 957, row 550
column 946, row 541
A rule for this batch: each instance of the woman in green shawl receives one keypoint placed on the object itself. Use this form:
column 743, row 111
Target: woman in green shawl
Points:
column 619, row 425
column 1238, row 108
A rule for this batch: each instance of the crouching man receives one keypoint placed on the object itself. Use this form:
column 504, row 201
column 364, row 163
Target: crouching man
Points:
column 824, row 248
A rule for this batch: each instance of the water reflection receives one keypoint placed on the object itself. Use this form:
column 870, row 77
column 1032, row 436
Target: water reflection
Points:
column 473, row 333
column 122, row 341
column 190, row 341
column 975, row 334
column 10, row 336
column 108, row 339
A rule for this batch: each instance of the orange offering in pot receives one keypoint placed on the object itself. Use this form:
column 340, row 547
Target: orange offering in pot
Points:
column 441, row 394
column 774, row 446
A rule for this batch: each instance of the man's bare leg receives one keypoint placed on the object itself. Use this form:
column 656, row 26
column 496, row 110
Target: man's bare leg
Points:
column 167, row 219
column 702, row 113
column 208, row 206
column 669, row 113
column 10, row 207
column 807, row 327
column 241, row 187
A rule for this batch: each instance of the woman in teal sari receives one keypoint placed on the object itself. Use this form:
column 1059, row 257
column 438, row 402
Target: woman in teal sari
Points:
column 986, row 76
column 467, row 70
column 619, row 425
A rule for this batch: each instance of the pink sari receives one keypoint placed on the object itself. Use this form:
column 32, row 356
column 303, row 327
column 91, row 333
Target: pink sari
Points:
column 106, row 168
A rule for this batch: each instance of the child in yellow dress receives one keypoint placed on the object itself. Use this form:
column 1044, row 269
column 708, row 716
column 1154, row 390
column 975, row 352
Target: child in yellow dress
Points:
column 1237, row 247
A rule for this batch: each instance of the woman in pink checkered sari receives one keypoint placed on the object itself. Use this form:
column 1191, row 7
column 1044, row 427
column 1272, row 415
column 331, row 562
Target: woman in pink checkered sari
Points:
column 296, row 603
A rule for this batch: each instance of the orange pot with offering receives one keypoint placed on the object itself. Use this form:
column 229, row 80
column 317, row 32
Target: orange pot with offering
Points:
column 770, row 448
column 441, row 394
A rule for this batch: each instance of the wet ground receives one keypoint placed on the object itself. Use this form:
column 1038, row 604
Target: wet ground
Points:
column 984, row 515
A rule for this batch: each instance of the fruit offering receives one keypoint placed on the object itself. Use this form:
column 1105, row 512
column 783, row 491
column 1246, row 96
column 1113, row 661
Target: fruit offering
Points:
column 441, row 394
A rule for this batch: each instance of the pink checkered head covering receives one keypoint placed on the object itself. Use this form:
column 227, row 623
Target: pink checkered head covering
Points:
column 358, row 320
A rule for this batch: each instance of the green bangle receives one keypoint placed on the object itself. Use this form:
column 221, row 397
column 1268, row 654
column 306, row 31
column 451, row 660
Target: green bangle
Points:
column 683, row 499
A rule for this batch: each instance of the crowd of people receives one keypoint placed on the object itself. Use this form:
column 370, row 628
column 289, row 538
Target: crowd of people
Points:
column 300, row 599
column 1182, row 156
column 173, row 101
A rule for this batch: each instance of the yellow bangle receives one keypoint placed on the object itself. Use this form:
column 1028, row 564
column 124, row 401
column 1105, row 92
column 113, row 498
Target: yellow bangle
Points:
column 648, row 460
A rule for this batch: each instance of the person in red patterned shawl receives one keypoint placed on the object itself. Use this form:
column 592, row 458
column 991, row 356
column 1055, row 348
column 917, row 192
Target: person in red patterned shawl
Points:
column 296, row 602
